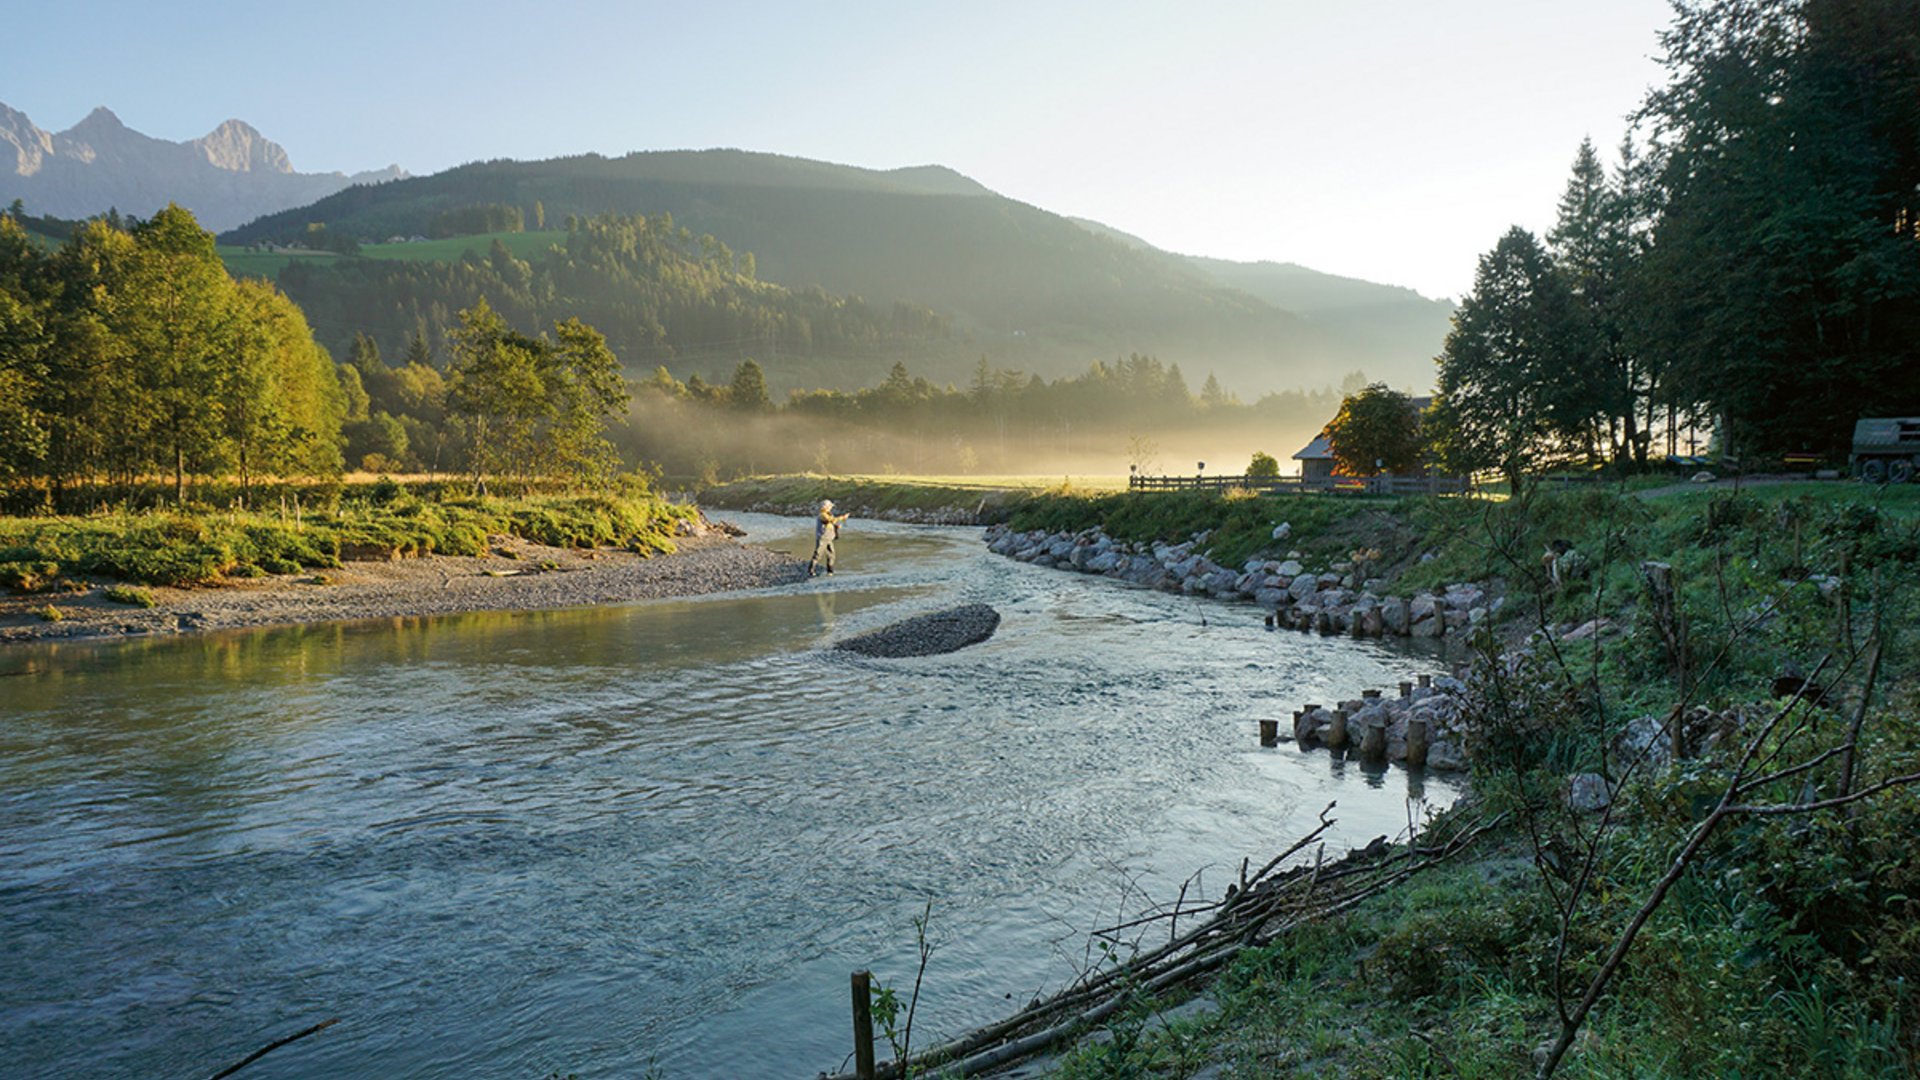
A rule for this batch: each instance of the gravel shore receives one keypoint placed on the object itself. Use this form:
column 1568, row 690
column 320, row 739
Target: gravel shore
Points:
column 928, row 635
column 516, row 576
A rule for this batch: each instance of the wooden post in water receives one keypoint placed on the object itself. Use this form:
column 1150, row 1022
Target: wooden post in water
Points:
column 1426, row 682
column 863, row 1024
column 1406, row 689
column 1370, row 695
column 1269, row 733
column 1373, row 743
column 1337, row 731
column 1416, row 742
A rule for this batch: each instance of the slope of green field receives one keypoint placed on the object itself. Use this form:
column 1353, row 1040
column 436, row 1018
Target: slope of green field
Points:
column 264, row 264
column 267, row 264
column 523, row 245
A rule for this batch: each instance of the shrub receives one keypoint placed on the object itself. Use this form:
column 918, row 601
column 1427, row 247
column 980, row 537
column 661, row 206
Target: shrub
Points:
column 130, row 596
column 28, row 576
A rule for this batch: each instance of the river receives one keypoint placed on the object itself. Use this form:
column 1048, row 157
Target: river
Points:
column 659, row 834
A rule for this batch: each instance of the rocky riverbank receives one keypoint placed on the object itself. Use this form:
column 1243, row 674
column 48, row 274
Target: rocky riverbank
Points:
column 1421, row 726
column 1337, row 599
column 514, row 575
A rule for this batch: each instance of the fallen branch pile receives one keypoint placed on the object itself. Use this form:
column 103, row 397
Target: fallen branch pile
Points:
column 1254, row 912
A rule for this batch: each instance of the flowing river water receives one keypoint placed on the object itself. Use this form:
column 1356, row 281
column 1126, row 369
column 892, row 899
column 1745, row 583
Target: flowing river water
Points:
column 654, row 835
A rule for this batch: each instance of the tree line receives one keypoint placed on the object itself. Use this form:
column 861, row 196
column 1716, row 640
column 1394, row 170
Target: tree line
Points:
column 128, row 353
column 1751, row 266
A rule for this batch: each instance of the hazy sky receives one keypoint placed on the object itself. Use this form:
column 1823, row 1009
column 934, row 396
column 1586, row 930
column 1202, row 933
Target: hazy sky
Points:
column 1387, row 139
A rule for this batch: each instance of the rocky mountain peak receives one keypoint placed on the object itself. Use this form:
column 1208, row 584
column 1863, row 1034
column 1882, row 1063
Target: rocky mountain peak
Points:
column 227, row 177
column 237, row 147
column 101, row 120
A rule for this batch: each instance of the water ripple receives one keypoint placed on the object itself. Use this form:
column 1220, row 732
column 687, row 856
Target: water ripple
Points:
column 580, row 841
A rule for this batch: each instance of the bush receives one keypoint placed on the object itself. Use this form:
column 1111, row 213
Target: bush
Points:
column 130, row 596
column 28, row 576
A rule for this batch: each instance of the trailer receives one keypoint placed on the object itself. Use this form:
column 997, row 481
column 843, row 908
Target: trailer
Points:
column 1886, row 450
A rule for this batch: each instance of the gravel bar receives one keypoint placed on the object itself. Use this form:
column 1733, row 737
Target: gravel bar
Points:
column 928, row 635
column 514, row 576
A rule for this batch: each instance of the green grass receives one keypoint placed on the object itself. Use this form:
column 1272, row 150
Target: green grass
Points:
column 130, row 596
column 204, row 547
column 265, row 264
column 1787, row 950
column 523, row 245
column 993, row 497
column 268, row 264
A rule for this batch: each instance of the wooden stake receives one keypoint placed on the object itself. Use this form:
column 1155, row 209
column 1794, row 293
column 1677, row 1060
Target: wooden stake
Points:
column 1269, row 733
column 863, row 1024
column 1337, row 736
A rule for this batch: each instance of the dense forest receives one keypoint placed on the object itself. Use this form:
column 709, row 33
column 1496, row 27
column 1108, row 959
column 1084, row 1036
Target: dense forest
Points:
column 1751, row 268
column 660, row 294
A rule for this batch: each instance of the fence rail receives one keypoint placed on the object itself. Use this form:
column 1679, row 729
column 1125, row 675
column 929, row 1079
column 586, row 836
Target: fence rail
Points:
column 1356, row 485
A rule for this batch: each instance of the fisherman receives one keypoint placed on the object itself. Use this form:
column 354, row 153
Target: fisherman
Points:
column 826, row 529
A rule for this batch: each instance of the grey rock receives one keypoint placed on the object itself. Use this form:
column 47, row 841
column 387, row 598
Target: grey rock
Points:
column 1291, row 568
column 1588, row 793
column 1394, row 616
column 1445, row 754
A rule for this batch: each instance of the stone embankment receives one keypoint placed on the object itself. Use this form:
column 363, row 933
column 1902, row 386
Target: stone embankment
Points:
column 1420, row 727
column 1337, row 600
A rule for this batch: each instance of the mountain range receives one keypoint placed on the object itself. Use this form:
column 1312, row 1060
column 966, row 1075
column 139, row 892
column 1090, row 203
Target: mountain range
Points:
column 1023, row 287
column 227, row 177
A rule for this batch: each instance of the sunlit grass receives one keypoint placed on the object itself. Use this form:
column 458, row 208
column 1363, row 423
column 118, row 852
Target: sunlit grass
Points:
column 523, row 245
column 1007, row 482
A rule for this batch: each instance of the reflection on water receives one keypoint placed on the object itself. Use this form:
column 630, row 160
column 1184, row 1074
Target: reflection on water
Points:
column 507, row 845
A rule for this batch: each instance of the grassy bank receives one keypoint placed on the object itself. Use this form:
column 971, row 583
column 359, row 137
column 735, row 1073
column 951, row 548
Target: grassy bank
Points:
column 991, row 497
column 377, row 521
column 1789, row 941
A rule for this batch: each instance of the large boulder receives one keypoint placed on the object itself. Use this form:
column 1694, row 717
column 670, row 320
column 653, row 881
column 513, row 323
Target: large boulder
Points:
column 1303, row 586
column 1394, row 616
column 1291, row 569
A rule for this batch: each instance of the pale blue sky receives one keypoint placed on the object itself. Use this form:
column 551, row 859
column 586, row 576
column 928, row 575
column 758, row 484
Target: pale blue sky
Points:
column 1387, row 139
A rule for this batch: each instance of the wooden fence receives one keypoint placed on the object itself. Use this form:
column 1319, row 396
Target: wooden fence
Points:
column 1355, row 485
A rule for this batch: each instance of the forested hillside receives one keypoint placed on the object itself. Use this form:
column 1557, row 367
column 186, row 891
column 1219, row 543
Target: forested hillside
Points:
column 659, row 294
column 1032, row 289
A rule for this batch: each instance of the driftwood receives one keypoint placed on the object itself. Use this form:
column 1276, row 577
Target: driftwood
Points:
column 1256, row 911
column 271, row 1047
